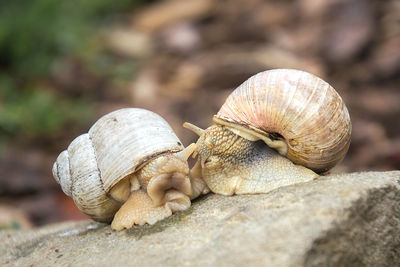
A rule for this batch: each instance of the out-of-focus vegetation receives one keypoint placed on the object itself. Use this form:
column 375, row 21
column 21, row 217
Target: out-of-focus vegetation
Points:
column 35, row 111
column 36, row 39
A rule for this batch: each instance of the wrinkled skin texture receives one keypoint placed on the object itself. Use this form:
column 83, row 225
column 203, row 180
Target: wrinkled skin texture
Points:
column 158, row 189
column 231, row 164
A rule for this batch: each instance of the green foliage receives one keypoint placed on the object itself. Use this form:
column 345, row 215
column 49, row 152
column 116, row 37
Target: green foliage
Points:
column 32, row 113
column 34, row 37
column 33, row 33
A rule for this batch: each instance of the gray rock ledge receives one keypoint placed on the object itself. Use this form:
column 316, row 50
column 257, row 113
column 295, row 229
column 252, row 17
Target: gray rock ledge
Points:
column 339, row 220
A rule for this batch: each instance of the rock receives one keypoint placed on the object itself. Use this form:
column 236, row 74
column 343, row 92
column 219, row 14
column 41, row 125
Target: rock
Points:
column 338, row 220
column 13, row 218
column 166, row 13
column 130, row 43
column 348, row 28
column 385, row 59
column 181, row 38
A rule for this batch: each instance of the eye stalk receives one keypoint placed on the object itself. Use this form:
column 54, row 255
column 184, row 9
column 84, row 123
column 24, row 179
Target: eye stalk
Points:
column 197, row 130
column 185, row 154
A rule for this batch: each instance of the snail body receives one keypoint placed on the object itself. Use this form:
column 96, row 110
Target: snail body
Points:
column 279, row 127
column 130, row 168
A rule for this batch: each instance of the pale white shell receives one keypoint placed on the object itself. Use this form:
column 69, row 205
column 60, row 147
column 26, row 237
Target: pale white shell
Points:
column 297, row 107
column 115, row 146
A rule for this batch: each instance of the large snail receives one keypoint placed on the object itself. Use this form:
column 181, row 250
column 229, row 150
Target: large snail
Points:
column 130, row 168
column 300, row 116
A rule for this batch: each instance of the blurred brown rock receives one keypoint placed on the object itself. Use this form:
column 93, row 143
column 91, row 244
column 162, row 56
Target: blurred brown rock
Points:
column 347, row 29
column 164, row 13
column 385, row 60
column 31, row 175
column 180, row 38
column 378, row 101
column 130, row 43
column 13, row 218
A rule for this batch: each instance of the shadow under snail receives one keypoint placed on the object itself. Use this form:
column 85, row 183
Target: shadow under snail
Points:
column 280, row 127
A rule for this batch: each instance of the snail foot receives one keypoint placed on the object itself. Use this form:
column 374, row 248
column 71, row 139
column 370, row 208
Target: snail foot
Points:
column 139, row 209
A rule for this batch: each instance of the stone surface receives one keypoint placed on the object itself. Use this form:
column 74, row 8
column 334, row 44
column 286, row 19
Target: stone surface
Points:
column 338, row 220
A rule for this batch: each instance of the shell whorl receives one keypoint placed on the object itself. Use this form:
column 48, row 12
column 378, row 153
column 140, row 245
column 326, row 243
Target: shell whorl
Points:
column 76, row 171
column 302, row 109
column 114, row 147
column 126, row 138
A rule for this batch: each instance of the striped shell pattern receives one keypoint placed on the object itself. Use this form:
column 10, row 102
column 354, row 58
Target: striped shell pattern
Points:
column 294, row 106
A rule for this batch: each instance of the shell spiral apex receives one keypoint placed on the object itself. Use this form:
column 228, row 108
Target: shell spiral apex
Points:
column 296, row 107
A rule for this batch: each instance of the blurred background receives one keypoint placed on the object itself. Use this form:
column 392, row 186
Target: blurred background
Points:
column 65, row 63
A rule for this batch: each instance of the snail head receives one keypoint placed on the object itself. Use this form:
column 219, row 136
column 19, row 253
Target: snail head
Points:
column 213, row 142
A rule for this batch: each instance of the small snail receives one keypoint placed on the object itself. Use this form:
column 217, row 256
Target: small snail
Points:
column 130, row 168
column 300, row 116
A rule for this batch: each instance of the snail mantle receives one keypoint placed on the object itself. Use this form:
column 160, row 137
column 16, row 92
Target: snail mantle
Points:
column 337, row 220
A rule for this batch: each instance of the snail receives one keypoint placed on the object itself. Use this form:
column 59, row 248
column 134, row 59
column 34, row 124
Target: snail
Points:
column 278, row 128
column 130, row 168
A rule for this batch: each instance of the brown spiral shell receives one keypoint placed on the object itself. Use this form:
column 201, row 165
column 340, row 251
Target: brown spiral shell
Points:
column 297, row 107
